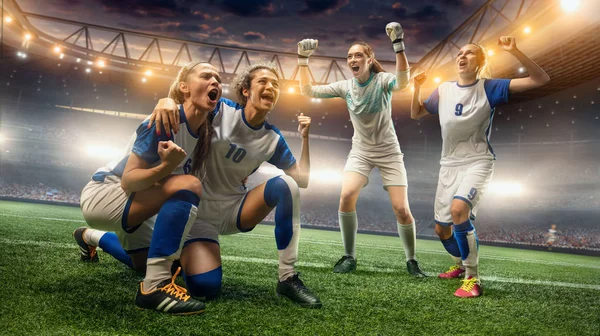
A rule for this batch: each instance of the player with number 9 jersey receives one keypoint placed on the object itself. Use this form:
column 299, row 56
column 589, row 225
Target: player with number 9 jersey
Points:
column 466, row 109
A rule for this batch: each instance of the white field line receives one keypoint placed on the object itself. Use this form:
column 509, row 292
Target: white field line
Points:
column 427, row 251
column 275, row 262
column 369, row 246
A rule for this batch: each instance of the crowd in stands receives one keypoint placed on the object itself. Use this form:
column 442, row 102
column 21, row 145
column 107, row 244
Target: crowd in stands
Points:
column 558, row 182
column 374, row 217
column 582, row 238
column 39, row 192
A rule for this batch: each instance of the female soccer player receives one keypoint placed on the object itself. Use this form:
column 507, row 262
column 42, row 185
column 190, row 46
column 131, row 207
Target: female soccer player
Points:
column 155, row 176
column 466, row 109
column 369, row 99
column 243, row 140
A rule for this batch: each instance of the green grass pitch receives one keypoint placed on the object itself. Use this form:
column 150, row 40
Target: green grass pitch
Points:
column 46, row 290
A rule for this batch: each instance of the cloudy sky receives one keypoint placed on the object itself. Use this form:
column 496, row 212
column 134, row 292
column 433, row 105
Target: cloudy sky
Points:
column 274, row 25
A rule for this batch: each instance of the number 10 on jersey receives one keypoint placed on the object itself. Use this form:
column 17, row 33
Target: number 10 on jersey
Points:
column 238, row 153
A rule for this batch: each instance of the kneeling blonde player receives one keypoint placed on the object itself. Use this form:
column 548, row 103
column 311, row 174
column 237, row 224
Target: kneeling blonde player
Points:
column 243, row 140
column 369, row 99
column 466, row 109
column 153, row 178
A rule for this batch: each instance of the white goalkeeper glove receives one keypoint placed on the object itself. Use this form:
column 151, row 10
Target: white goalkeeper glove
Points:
column 306, row 48
column 396, row 34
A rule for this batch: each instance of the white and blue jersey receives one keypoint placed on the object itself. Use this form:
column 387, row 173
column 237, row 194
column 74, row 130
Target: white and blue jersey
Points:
column 144, row 142
column 238, row 149
column 370, row 108
column 466, row 114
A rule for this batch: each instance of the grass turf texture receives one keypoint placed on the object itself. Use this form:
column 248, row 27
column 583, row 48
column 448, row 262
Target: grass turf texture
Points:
column 47, row 290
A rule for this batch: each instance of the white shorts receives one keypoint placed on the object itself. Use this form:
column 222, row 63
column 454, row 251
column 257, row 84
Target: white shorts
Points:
column 104, row 204
column 217, row 218
column 391, row 166
column 467, row 183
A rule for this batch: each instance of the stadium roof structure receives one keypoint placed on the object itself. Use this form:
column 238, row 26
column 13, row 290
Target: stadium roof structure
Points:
column 566, row 46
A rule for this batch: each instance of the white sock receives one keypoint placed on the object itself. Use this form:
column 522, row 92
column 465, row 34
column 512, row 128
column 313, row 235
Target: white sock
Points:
column 348, row 227
column 92, row 237
column 409, row 239
column 157, row 270
column 472, row 261
column 458, row 261
column 289, row 256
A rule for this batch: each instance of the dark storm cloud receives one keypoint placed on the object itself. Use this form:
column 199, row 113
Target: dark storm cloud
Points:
column 247, row 8
column 253, row 36
column 426, row 24
column 176, row 26
column 455, row 3
column 147, row 8
column 314, row 7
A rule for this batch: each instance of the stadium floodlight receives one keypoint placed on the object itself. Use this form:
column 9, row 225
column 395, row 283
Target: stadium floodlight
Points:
column 28, row 36
column 527, row 30
column 148, row 73
column 291, row 90
column 506, row 188
column 101, row 63
column 8, row 19
column 78, row 60
column 90, row 62
column 569, row 6
column 144, row 79
column 326, row 176
column 88, row 70
column 57, row 49
column 490, row 52
column 101, row 151
column 225, row 91
column 437, row 80
column 61, row 56
column 521, row 69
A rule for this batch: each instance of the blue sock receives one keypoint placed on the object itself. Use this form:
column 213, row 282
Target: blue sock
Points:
column 110, row 244
column 277, row 193
column 460, row 231
column 171, row 223
column 451, row 245
column 205, row 285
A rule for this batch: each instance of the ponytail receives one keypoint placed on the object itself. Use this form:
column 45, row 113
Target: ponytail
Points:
column 483, row 70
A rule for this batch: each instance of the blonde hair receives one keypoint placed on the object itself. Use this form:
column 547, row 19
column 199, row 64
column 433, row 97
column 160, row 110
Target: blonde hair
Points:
column 182, row 75
column 205, row 131
column 484, row 67
column 242, row 80
column 375, row 66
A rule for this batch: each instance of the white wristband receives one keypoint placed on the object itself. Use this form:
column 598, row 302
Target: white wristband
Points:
column 399, row 46
column 303, row 61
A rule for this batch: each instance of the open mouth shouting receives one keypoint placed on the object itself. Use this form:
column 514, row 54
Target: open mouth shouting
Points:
column 462, row 64
column 268, row 97
column 355, row 69
column 213, row 95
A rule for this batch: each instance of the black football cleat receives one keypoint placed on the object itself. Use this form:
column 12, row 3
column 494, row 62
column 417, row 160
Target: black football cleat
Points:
column 412, row 266
column 87, row 252
column 346, row 264
column 169, row 298
column 293, row 288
